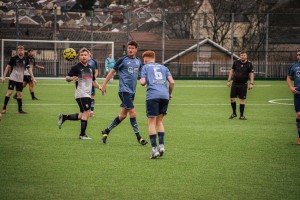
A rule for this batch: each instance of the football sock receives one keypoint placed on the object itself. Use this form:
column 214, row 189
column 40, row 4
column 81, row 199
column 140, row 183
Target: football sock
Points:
column 32, row 95
column 153, row 140
column 135, row 127
column 71, row 117
column 233, row 106
column 92, row 104
column 298, row 126
column 115, row 123
column 242, row 108
column 19, row 104
column 161, row 137
column 83, row 127
column 5, row 102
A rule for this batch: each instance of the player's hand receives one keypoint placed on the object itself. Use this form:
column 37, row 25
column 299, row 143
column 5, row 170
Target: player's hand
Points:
column 250, row 87
column 34, row 81
column 75, row 78
column 170, row 96
column 103, row 89
column 3, row 80
column 294, row 90
column 228, row 83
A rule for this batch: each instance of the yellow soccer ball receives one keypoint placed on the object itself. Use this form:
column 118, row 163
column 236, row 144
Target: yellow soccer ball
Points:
column 69, row 54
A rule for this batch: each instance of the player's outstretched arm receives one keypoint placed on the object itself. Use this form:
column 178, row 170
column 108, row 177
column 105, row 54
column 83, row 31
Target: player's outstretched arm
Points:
column 108, row 77
column 171, row 86
column 71, row 78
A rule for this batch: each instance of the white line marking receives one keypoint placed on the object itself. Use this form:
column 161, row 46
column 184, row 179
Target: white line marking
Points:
column 184, row 104
column 277, row 101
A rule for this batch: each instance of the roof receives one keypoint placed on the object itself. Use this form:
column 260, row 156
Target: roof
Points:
column 201, row 43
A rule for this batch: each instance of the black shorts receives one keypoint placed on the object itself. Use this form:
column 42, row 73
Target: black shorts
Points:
column 127, row 100
column 27, row 78
column 84, row 104
column 238, row 91
column 12, row 84
column 156, row 107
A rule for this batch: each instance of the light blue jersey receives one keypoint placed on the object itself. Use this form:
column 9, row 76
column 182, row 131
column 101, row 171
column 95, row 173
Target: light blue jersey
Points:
column 128, row 70
column 294, row 72
column 156, row 78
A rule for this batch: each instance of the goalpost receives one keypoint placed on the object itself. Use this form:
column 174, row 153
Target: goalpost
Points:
column 49, row 53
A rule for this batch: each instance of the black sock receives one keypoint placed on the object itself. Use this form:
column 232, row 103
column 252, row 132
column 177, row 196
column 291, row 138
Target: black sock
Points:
column 153, row 140
column 32, row 95
column 115, row 123
column 298, row 126
column 135, row 127
column 19, row 104
column 71, row 117
column 83, row 127
column 161, row 137
column 233, row 106
column 92, row 104
column 242, row 108
column 5, row 102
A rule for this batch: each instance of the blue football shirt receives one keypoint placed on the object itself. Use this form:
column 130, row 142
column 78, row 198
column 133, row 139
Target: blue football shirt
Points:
column 294, row 72
column 128, row 70
column 156, row 78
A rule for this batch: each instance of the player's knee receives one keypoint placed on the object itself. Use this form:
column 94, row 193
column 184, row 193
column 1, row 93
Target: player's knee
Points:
column 122, row 117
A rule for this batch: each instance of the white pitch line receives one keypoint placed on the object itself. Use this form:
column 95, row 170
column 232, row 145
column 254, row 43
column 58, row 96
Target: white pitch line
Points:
column 184, row 104
column 277, row 101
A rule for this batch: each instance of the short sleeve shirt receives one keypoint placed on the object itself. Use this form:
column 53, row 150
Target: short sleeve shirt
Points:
column 294, row 72
column 128, row 70
column 93, row 64
column 18, row 66
column 242, row 71
column 31, row 63
column 156, row 78
column 86, row 77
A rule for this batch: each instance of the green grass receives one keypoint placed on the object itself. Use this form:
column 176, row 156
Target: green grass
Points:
column 207, row 155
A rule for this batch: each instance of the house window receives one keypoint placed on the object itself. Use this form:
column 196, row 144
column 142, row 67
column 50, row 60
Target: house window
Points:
column 235, row 42
column 205, row 20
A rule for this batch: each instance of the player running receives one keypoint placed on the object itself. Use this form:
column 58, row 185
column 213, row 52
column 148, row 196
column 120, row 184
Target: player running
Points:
column 84, row 77
column 128, row 68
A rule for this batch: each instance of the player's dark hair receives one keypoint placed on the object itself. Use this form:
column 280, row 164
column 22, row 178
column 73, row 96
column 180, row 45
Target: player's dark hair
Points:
column 243, row 51
column 298, row 50
column 133, row 43
column 29, row 50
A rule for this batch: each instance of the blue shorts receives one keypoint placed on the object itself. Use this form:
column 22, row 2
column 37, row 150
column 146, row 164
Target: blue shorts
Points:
column 127, row 100
column 12, row 84
column 297, row 102
column 156, row 107
column 84, row 103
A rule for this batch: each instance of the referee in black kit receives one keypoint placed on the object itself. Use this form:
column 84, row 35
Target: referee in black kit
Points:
column 242, row 70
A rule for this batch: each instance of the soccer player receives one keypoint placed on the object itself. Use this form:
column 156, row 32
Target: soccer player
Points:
column 93, row 64
column 27, row 78
column 293, row 75
column 17, row 65
column 109, row 64
column 155, row 76
column 128, row 68
column 240, row 72
column 84, row 77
